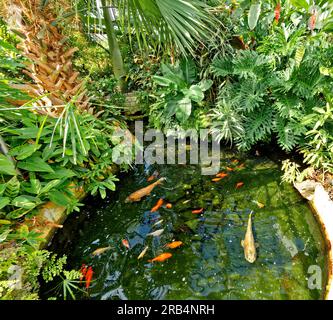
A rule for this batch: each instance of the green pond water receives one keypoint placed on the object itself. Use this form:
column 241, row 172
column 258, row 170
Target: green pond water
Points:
column 210, row 264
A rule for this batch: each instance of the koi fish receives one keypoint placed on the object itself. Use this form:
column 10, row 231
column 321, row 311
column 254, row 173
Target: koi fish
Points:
column 157, row 223
column 89, row 276
column 168, row 205
column 137, row 195
column 239, row 185
column 156, row 233
column 277, row 12
column 162, row 257
column 157, row 205
column 241, row 166
column 221, row 175
column 100, row 251
column 259, row 204
column 230, row 169
column 174, row 244
column 153, row 176
column 125, row 243
column 217, row 179
column 197, row 211
column 235, row 161
column 143, row 252
column 248, row 243
column 83, row 271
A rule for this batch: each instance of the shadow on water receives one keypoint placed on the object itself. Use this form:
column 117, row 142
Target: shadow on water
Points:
column 210, row 264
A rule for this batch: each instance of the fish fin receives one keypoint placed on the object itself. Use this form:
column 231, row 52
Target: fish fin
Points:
column 256, row 245
column 242, row 243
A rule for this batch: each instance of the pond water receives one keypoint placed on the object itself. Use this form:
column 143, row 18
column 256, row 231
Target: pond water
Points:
column 210, row 264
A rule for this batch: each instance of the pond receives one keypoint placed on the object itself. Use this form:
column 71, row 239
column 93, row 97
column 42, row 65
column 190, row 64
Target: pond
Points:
column 210, row 263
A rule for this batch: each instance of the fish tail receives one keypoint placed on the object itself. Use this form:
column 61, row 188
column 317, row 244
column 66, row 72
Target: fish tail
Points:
column 250, row 215
column 161, row 180
column 150, row 260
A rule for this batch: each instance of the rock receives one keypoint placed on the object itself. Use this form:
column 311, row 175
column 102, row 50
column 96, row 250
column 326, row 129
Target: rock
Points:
column 306, row 188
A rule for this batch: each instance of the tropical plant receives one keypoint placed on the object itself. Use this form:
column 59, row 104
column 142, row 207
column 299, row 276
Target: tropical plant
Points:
column 152, row 23
column 178, row 94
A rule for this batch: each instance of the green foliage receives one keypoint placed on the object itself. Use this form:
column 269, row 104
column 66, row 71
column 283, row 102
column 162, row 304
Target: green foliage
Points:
column 179, row 93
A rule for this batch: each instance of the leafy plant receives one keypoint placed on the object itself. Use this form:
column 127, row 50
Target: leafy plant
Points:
column 179, row 93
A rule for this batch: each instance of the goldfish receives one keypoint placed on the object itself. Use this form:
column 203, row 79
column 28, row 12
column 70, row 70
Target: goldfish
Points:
column 143, row 252
column 125, row 243
column 277, row 12
column 241, row 166
column 137, row 195
column 153, row 176
column 157, row 205
column 156, row 233
column 235, row 161
column 230, row 169
column 100, row 251
column 221, row 175
column 259, row 204
column 168, row 205
column 248, row 243
column 162, row 257
column 239, row 185
column 197, row 211
column 174, row 244
column 89, row 276
column 216, row 179
column 83, row 271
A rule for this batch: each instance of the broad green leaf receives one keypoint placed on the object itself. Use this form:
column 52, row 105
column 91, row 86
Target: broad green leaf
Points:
column 12, row 187
column 195, row 93
column 189, row 70
column 3, row 221
column 35, row 164
column 35, row 186
column 6, row 166
column 205, row 84
column 301, row 4
column 61, row 173
column 4, row 235
column 60, row 198
column 18, row 213
column 184, row 109
column 26, row 202
column 24, row 151
column 2, row 188
column 49, row 186
column 4, row 201
column 162, row 81
column 254, row 14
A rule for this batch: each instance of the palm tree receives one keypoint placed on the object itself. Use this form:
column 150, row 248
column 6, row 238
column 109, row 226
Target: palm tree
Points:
column 49, row 64
column 180, row 24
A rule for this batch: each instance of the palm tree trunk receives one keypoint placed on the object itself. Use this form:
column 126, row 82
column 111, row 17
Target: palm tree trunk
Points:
column 116, row 56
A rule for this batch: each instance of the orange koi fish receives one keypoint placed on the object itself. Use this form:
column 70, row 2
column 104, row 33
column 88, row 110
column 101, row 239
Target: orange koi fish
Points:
column 235, row 161
column 168, row 205
column 89, row 276
column 259, row 204
column 239, row 185
column 241, row 166
column 153, row 176
column 197, row 211
column 222, row 175
column 174, row 244
column 230, row 169
column 125, row 243
column 137, row 195
column 157, row 205
column 217, row 179
column 83, row 271
column 162, row 257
